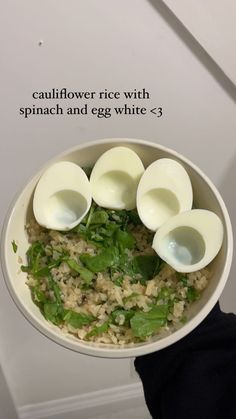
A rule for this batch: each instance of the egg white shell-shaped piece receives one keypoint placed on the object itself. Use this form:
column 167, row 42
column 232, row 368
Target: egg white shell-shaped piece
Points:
column 115, row 177
column 190, row 240
column 164, row 190
column 62, row 196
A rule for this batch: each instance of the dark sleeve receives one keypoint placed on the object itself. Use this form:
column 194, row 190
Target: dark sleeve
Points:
column 196, row 377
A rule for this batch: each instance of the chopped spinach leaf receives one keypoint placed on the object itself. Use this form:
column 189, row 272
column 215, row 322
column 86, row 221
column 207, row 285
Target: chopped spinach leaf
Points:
column 55, row 288
column 99, row 217
column 144, row 324
column 165, row 294
column 98, row 330
column 192, row 294
column 128, row 314
column 85, row 273
column 119, row 217
column 53, row 312
column 33, row 253
column 99, row 263
column 40, row 264
column 182, row 278
column 25, row 268
column 134, row 218
column 14, row 246
column 118, row 280
column 146, row 265
column 124, row 240
column 77, row 320
column 38, row 295
column 123, row 217
column 90, row 215
column 130, row 297
column 184, row 281
column 42, row 272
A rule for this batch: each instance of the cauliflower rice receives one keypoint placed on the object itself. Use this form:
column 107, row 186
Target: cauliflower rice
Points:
column 113, row 307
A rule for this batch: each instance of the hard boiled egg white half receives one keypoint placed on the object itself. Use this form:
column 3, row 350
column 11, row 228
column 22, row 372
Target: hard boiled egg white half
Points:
column 115, row 177
column 62, row 196
column 190, row 240
column 164, row 190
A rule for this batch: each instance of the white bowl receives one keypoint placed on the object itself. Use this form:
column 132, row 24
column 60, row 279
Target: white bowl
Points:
column 206, row 196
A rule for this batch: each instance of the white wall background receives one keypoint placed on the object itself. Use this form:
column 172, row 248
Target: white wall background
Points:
column 95, row 45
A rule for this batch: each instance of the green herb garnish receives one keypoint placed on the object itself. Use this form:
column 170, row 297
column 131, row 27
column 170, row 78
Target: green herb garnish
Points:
column 182, row 278
column 14, row 246
column 192, row 294
column 130, row 297
column 128, row 314
column 77, row 320
column 99, row 263
column 144, row 324
column 124, row 240
column 85, row 273
column 53, row 312
column 146, row 265
column 98, row 330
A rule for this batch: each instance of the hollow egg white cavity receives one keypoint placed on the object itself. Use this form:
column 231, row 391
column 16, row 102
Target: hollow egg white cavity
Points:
column 62, row 196
column 164, row 190
column 190, row 240
column 115, row 177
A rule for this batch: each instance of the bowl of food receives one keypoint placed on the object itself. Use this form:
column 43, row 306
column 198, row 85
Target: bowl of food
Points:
column 117, row 248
